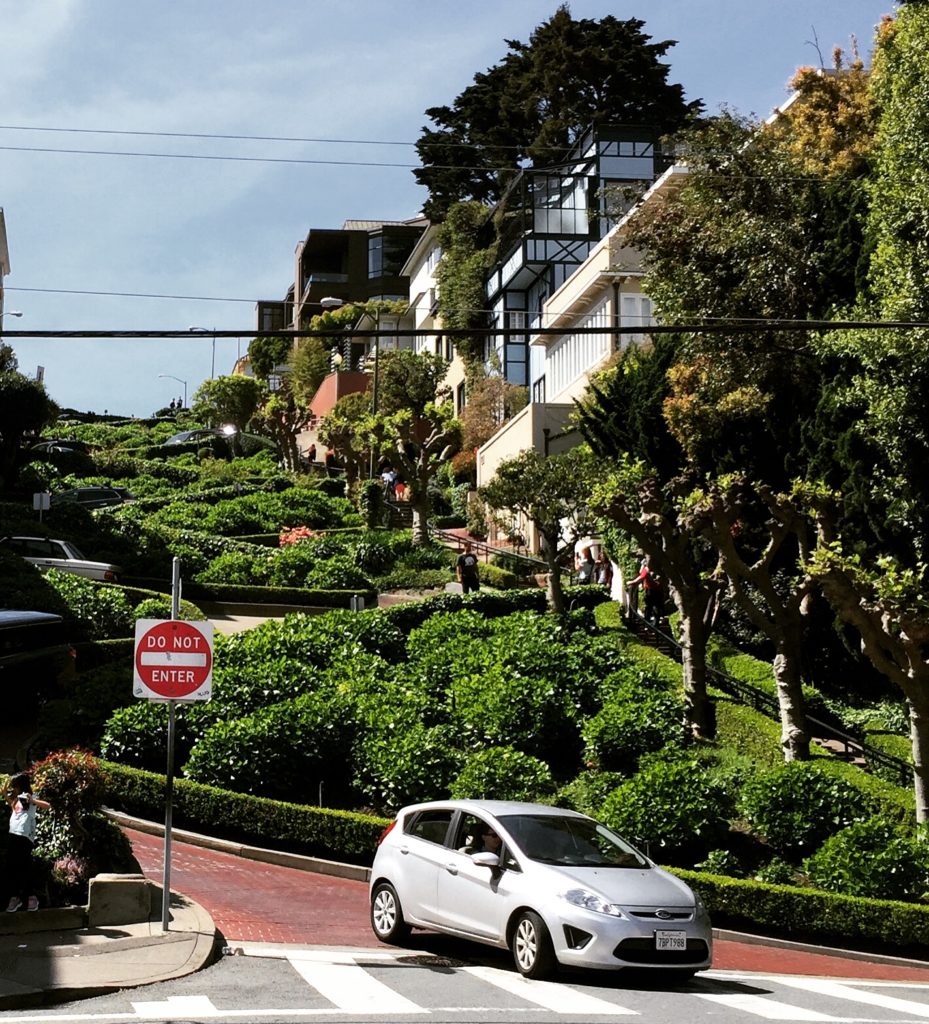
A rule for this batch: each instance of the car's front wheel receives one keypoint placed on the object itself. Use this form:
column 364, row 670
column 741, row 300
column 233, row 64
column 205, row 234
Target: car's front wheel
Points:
column 387, row 914
column 532, row 946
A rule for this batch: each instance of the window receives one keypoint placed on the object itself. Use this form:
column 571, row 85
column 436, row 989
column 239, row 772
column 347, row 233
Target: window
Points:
column 431, row 826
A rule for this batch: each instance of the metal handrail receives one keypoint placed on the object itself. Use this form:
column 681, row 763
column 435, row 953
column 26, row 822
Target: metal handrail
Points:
column 768, row 705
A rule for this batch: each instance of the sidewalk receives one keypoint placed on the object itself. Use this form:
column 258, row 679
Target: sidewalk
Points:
column 54, row 955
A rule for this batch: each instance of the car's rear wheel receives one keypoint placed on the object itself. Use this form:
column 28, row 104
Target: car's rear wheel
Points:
column 387, row 915
column 531, row 946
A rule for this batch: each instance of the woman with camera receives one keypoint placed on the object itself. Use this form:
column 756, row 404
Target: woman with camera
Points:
column 23, row 805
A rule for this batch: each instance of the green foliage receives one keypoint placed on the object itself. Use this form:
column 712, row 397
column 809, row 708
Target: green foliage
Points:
column 721, row 862
column 502, row 773
column 313, row 831
column 401, row 761
column 539, row 97
column 876, row 858
column 633, row 721
column 243, row 568
column 587, row 792
column 776, row 872
column 295, row 750
column 799, row 805
column 104, row 611
column 810, row 916
column 232, row 399
column 337, row 573
column 674, row 809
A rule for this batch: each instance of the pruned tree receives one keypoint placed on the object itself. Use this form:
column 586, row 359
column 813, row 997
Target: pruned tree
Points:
column 551, row 492
column 347, row 430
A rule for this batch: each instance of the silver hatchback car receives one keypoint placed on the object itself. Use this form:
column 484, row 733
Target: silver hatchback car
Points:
column 553, row 886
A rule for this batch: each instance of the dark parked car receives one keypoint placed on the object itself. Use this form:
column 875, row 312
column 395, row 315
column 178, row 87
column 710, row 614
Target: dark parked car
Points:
column 93, row 497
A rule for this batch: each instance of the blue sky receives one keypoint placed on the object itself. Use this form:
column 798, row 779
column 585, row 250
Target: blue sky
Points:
column 226, row 230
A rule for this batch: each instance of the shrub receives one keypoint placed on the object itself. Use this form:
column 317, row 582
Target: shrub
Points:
column 292, row 749
column 632, row 722
column 876, row 858
column 238, row 567
column 721, row 862
column 502, row 773
column 799, row 805
column 338, row 573
column 587, row 792
column 103, row 611
column 675, row 809
column 404, row 762
column 777, row 872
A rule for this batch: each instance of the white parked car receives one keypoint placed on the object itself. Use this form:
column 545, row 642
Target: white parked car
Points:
column 61, row 555
column 553, row 886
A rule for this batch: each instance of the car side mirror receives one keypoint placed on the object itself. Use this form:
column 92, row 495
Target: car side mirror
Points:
column 486, row 860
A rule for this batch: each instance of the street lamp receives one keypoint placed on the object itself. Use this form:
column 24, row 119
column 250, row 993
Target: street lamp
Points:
column 207, row 330
column 178, row 379
column 8, row 312
column 330, row 302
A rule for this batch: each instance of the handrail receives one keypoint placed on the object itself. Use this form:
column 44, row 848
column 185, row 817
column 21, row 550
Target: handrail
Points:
column 768, row 705
column 485, row 551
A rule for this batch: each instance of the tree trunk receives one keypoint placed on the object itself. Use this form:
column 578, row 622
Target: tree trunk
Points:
column 917, row 700
column 554, row 592
column 693, row 655
column 795, row 740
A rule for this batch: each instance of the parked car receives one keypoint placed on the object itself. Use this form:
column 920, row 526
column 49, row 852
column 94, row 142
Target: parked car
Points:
column 93, row 497
column 186, row 436
column 62, row 555
column 552, row 885
column 59, row 445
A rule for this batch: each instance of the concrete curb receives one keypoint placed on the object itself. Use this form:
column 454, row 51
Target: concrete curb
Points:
column 288, row 860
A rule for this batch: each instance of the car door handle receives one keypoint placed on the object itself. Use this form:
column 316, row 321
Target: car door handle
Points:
column 452, row 869
column 404, row 849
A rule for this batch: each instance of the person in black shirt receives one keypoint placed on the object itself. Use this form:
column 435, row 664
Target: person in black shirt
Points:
column 466, row 570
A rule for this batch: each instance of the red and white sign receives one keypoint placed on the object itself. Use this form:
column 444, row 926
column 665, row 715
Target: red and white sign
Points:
column 173, row 659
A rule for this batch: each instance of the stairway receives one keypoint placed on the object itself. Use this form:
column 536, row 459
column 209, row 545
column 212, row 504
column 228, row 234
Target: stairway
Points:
column 399, row 515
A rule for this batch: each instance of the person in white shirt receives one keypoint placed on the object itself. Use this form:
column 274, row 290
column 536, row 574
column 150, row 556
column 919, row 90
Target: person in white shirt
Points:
column 20, row 869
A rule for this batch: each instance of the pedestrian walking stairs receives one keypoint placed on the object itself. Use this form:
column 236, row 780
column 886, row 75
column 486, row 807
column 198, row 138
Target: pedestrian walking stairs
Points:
column 399, row 515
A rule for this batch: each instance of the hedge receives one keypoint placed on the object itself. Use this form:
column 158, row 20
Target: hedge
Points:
column 234, row 593
column 811, row 915
column 312, row 831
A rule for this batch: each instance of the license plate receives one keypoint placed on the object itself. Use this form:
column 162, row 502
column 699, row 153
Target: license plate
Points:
column 668, row 940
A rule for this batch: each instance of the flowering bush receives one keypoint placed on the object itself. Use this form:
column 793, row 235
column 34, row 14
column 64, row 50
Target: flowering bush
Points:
column 296, row 534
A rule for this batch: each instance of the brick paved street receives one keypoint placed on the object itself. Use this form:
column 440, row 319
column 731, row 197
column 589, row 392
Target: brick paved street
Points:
column 255, row 902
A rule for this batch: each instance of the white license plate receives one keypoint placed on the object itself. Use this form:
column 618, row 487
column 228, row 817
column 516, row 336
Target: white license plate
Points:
column 669, row 940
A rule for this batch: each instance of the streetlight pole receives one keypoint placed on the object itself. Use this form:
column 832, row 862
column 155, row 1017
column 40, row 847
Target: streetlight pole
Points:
column 206, row 330
column 8, row 312
column 178, row 379
column 333, row 303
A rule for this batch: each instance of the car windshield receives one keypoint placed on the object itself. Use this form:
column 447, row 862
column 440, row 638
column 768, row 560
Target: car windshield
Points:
column 571, row 842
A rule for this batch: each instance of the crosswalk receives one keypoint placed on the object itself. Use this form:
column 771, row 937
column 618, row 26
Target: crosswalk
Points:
column 278, row 985
column 383, row 984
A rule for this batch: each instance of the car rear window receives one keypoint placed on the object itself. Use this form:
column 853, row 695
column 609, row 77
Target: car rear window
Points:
column 430, row 825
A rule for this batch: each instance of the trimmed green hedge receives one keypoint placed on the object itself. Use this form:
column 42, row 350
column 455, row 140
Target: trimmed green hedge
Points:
column 231, row 594
column 811, row 915
column 312, row 831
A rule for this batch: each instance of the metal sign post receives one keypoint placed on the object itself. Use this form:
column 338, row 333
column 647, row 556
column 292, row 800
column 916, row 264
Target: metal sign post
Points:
column 173, row 663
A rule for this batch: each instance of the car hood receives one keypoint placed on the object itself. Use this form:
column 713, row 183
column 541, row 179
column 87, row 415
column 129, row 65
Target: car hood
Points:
column 78, row 563
column 630, row 887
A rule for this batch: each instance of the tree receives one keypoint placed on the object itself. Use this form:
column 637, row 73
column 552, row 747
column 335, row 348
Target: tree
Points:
column 535, row 102
column 8, row 360
column 347, row 430
column 230, row 400
column 24, row 408
column 266, row 353
column 279, row 417
column 551, row 492
column 309, row 365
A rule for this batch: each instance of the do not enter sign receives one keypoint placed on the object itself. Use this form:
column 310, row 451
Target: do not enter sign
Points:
column 173, row 659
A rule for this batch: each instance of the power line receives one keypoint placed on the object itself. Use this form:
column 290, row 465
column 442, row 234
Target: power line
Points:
column 206, row 156
column 132, row 295
column 731, row 327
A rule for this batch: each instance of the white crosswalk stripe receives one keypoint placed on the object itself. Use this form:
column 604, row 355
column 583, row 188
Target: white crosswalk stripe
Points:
column 764, row 1006
column 836, row 990
column 549, row 995
column 350, row 987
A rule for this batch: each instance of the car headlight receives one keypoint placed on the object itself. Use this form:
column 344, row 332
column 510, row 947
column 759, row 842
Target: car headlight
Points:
column 699, row 907
column 591, row 901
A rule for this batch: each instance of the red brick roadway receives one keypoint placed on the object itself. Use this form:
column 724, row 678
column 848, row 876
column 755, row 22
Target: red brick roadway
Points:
column 255, row 902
